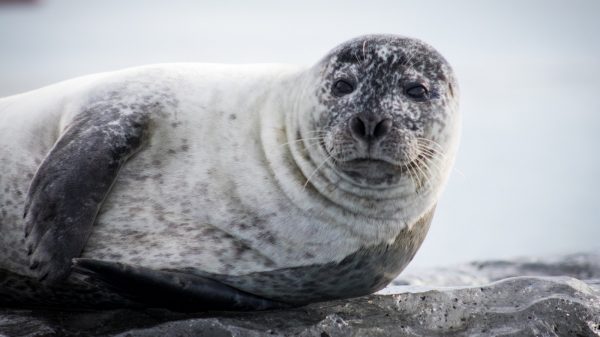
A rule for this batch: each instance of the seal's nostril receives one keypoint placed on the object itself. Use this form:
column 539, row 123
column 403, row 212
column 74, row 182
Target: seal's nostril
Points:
column 382, row 128
column 358, row 128
column 369, row 130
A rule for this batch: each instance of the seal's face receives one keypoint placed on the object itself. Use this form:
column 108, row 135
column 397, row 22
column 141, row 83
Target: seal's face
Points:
column 385, row 105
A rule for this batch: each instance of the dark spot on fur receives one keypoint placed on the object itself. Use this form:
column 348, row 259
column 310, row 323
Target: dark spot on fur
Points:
column 209, row 231
column 243, row 226
column 239, row 252
column 139, row 177
column 232, row 117
column 267, row 237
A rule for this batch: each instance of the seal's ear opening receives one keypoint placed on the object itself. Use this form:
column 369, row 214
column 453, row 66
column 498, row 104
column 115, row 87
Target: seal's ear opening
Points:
column 174, row 290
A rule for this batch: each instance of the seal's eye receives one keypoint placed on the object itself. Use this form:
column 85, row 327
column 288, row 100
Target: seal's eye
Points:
column 417, row 91
column 342, row 87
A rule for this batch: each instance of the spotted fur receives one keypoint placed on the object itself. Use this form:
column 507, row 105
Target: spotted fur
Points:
column 382, row 68
column 343, row 279
column 215, row 171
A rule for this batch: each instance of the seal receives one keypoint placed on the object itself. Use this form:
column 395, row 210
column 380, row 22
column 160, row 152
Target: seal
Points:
column 226, row 186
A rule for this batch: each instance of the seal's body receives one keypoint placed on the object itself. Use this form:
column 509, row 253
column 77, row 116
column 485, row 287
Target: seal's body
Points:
column 278, row 182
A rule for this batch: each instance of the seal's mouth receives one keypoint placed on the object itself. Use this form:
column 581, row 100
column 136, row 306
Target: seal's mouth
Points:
column 368, row 163
column 375, row 162
column 387, row 162
column 379, row 170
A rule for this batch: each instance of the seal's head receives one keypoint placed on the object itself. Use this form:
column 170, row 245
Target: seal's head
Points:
column 386, row 109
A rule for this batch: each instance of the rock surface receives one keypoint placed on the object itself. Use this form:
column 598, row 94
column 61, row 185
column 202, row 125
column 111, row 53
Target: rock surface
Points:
column 550, row 297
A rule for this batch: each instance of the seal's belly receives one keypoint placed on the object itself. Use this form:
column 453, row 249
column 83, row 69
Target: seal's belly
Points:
column 363, row 272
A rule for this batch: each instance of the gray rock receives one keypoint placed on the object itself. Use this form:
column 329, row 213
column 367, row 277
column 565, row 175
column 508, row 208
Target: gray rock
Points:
column 580, row 266
column 534, row 305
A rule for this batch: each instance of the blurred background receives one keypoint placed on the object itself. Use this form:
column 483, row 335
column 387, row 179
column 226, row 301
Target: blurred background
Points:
column 527, row 175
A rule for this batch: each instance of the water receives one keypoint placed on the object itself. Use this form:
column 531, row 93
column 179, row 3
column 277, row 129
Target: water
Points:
column 527, row 173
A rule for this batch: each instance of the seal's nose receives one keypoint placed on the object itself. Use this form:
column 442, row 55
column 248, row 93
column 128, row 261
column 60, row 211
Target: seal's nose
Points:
column 369, row 129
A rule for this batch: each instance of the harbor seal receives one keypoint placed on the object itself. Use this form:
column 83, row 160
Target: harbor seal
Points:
column 226, row 186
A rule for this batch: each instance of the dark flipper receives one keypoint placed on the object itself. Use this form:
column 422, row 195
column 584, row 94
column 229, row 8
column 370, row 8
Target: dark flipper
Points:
column 72, row 182
column 170, row 289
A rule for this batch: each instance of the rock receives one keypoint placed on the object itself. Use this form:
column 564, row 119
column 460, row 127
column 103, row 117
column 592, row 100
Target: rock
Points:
column 539, row 305
column 580, row 266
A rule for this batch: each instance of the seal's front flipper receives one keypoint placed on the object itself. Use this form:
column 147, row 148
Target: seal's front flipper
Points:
column 171, row 289
column 72, row 182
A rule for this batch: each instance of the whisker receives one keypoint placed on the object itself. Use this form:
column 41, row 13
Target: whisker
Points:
column 460, row 173
column 431, row 150
column 408, row 62
column 413, row 179
column 310, row 145
column 434, row 159
column 429, row 141
column 356, row 57
column 435, row 165
column 438, row 151
column 429, row 170
column 301, row 139
column 418, row 166
column 437, row 157
column 418, row 178
column 317, row 169
column 431, row 154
